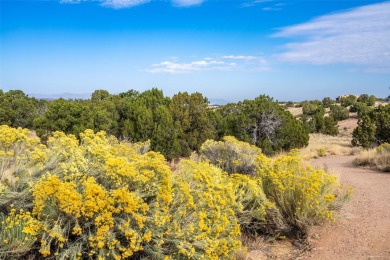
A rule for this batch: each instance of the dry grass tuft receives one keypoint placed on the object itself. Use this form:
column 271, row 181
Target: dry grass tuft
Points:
column 323, row 145
column 295, row 111
column 377, row 158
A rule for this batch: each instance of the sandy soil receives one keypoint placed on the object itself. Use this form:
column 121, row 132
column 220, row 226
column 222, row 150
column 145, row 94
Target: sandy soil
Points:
column 362, row 227
column 347, row 126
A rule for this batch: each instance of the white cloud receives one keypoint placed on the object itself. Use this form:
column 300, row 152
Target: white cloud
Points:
column 359, row 36
column 186, row 2
column 70, row 1
column 117, row 4
column 239, row 57
column 271, row 8
column 254, row 2
column 207, row 64
column 175, row 67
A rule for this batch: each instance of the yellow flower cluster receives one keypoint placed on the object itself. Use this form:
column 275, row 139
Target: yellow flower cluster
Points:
column 104, row 195
column 303, row 194
column 18, row 229
column 254, row 210
column 202, row 213
column 10, row 136
column 21, row 155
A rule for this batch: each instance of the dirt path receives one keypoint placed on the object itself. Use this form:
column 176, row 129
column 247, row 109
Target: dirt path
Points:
column 362, row 229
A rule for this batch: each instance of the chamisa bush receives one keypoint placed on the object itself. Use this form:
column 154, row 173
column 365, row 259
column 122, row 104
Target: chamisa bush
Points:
column 304, row 195
column 99, row 198
column 231, row 155
column 104, row 199
column 280, row 196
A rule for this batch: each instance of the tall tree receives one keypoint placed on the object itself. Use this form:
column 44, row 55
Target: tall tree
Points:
column 17, row 109
column 191, row 113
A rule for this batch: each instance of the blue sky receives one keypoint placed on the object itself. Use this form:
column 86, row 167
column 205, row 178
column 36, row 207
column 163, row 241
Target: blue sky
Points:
column 225, row 49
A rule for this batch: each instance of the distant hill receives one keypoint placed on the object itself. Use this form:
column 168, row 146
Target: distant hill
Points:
column 218, row 102
column 60, row 95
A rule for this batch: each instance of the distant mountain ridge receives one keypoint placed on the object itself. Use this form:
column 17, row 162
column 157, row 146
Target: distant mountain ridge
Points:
column 213, row 101
column 218, row 101
column 60, row 95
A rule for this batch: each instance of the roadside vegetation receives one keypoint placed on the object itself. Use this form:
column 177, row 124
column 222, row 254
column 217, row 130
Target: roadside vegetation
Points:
column 141, row 175
column 104, row 198
column 377, row 158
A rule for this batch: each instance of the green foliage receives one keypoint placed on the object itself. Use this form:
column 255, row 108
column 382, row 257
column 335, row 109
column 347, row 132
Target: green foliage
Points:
column 327, row 102
column 364, row 134
column 339, row 112
column 346, row 101
column 311, row 109
column 264, row 123
column 316, row 121
column 368, row 100
column 191, row 113
column 382, row 124
column 373, row 128
column 330, row 126
column 68, row 116
column 17, row 109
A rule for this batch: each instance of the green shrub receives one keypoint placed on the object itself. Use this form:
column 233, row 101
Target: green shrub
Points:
column 327, row 102
column 347, row 100
column 339, row 113
column 368, row 100
column 373, row 128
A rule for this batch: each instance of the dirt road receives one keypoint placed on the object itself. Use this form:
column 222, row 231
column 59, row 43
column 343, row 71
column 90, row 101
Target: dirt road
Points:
column 362, row 229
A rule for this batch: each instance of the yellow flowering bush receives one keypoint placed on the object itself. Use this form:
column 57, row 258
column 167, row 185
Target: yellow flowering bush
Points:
column 203, row 222
column 18, row 233
column 100, row 198
column 96, row 197
column 304, row 195
column 22, row 159
column 231, row 155
column 255, row 213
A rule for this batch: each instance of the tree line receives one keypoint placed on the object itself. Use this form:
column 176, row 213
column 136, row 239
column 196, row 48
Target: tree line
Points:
column 175, row 126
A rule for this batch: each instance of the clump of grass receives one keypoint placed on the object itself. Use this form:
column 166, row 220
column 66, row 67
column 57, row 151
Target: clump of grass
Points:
column 377, row 158
column 323, row 145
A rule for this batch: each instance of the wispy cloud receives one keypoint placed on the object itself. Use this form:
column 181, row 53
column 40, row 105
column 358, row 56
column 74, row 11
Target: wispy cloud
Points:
column 254, row 2
column 271, row 8
column 271, row 5
column 118, row 4
column 182, row 3
column 223, row 63
column 359, row 36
